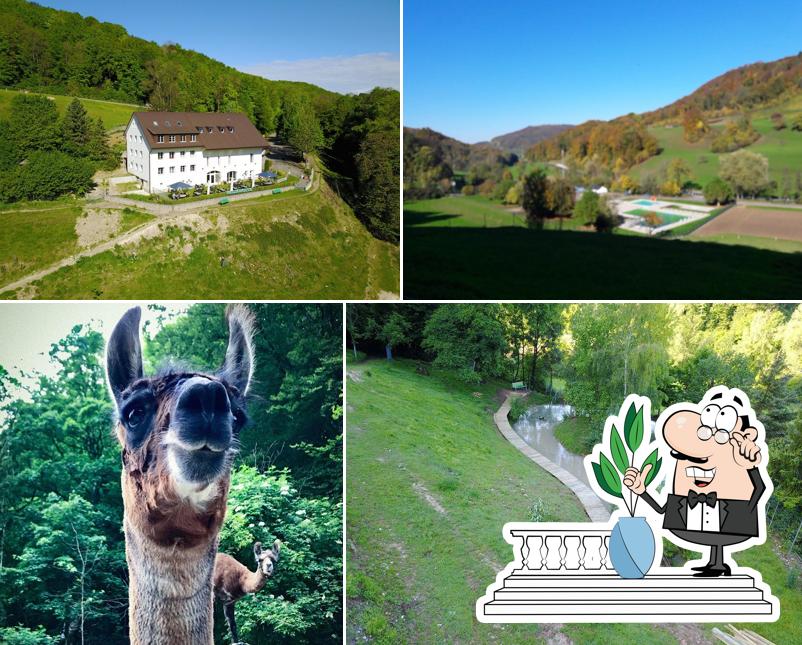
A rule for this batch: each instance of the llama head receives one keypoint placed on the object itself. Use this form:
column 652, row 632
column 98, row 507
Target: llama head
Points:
column 178, row 429
column 267, row 558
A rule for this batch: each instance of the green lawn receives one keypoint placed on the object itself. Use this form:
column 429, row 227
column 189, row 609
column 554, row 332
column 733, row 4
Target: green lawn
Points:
column 576, row 434
column 34, row 239
column 113, row 114
column 517, row 263
column 768, row 243
column 305, row 245
column 431, row 483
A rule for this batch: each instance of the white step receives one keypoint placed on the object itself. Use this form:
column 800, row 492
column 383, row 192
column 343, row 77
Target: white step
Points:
column 657, row 611
column 612, row 581
column 670, row 594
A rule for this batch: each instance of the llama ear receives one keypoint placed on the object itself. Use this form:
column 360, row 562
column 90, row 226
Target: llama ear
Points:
column 257, row 549
column 124, row 354
column 238, row 366
column 276, row 548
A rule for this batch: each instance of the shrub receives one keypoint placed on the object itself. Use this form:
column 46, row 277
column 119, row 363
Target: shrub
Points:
column 468, row 189
column 718, row 191
column 47, row 175
column 671, row 188
column 26, row 636
column 518, row 406
column 605, row 223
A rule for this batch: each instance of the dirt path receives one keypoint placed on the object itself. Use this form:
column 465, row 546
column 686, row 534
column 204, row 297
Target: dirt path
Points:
column 147, row 230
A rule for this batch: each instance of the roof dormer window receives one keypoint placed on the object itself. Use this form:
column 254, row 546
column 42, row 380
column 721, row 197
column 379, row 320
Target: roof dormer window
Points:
column 230, row 129
column 183, row 138
column 160, row 138
column 155, row 123
column 209, row 129
column 167, row 123
column 178, row 123
column 172, row 138
column 194, row 137
column 199, row 128
column 221, row 128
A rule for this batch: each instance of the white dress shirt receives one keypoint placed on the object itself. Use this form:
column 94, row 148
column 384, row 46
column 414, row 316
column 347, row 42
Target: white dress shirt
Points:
column 703, row 518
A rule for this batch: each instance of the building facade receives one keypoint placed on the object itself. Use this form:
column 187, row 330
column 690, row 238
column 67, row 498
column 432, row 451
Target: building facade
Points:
column 164, row 148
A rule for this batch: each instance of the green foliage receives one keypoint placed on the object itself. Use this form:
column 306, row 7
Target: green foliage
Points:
column 607, row 476
column 26, row 636
column 534, row 200
column 299, row 125
column 47, row 175
column 736, row 134
column 618, row 451
column 467, row 339
column 747, row 172
column 717, row 191
column 61, row 509
column 588, row 207
column 302, row 602
column 633, row 428
column 655, row 463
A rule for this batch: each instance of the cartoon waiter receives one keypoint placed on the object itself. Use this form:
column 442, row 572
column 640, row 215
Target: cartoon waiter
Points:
column 717, row 482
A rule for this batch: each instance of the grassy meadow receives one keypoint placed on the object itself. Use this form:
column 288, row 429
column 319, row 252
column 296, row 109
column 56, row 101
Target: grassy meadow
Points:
column 113, row 114
column 517, row 263
column 37, row 234
column 298, row 245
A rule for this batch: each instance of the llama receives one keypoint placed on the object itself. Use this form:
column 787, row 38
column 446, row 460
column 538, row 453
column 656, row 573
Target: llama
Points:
column 179, row 432
column 233, row 580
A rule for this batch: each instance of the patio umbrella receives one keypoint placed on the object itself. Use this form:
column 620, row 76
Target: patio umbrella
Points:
column 269, row 174
column 179, row 185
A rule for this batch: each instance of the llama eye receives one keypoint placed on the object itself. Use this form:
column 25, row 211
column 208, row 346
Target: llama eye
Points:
column 135, row 417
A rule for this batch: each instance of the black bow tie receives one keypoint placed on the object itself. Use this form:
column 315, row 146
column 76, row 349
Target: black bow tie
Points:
column 695, row 498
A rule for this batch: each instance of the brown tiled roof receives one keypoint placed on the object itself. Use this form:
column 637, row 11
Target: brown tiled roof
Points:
column 229, row 130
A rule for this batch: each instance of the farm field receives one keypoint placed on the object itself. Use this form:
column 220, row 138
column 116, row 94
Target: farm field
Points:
column 778, row 224
column 307, row 245
column 113, row 114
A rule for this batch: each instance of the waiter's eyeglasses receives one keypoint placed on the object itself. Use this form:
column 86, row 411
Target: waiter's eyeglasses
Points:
column 721, row 436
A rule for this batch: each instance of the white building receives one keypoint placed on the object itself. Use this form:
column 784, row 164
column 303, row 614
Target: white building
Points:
column 164, row 148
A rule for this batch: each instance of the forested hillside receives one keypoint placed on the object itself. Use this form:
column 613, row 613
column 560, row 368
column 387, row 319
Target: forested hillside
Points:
column 521, row 140
column 356, row 136
column 63, row 574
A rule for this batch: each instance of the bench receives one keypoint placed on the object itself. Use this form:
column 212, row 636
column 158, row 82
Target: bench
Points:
column 224, row 201
column 518, row 385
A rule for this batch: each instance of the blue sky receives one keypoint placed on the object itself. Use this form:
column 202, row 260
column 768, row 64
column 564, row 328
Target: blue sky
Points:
column 343, row 46
column 474, row 70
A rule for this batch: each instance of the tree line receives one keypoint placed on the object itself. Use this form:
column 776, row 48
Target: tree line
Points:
column 593, row 355
column 63, row 574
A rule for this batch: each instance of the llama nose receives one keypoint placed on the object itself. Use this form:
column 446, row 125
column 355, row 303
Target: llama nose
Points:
column 204, row 410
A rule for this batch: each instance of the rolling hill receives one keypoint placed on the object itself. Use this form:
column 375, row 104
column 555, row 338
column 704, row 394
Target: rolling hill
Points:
column 521, row 140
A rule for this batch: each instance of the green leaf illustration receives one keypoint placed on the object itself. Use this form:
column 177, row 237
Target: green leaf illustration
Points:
column 597, row 470
column 633, row 431
column 610, row 475
column 619, row 452
column 630, row 418
column 655, row 462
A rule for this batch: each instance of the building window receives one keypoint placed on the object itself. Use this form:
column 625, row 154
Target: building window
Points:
column 251, row 157
column 160, row 138
column 172, row 155
column 183, row 152
column 160, row 155
column 183, row 138
column 232, row 175
column 160, row 171
column 194, row 137
column 192, row 168
column 172, row 138
column 183, row 168
column 172, row 169
column 199, row 128
column 191, row 153
column 209, row 129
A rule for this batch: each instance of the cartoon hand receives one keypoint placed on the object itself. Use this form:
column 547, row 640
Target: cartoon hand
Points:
column 744, row 449
column 635, row 480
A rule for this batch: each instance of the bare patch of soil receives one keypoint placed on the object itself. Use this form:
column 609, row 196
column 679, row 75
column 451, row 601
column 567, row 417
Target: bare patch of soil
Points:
column 421, row 490
column 743, row 220
column 96, row 225
column 388, row 295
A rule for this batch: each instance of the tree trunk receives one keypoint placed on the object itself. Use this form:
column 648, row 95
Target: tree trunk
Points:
column 388, row 350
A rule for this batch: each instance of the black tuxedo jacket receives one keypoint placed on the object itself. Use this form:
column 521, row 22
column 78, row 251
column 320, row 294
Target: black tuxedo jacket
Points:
column 736, row 516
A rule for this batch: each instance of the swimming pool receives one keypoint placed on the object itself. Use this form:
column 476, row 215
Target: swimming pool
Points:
column 665, row 218
column 645, row 202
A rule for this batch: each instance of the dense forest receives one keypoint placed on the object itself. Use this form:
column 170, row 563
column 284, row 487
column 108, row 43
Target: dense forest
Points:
column 356, row 136
column 63, row 575
column 593, row 355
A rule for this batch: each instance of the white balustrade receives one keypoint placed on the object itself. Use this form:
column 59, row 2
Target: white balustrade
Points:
column 561, row 551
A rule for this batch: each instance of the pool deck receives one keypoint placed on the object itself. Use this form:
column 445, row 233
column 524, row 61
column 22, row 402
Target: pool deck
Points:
column 634, row 223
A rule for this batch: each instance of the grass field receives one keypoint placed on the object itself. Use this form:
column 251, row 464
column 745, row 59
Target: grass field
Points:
column 113, row 114
column 431, row 482
column 38, row 234
column 767, row 243
column 783, row 148
column 516, row 263
column 474, row 211
column 307, row 246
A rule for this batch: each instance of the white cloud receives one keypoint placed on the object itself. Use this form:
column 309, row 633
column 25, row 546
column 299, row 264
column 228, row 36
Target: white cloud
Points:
column 344, row 74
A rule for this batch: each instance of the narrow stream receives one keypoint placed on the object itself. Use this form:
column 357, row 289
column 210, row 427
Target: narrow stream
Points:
column 536, row 427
